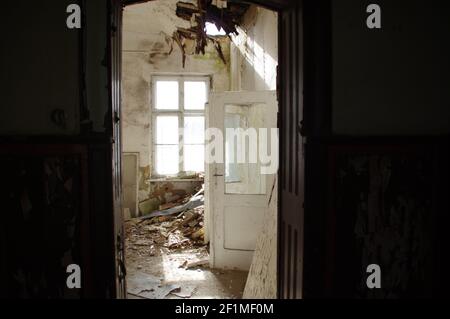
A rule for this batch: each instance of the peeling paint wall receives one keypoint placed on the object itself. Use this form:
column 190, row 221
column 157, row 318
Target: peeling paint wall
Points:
column 146, row 29
column 383, row 209
column 262, row 278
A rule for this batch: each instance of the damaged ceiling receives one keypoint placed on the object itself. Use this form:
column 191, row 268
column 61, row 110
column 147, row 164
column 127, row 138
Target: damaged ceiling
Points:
column 223, row 14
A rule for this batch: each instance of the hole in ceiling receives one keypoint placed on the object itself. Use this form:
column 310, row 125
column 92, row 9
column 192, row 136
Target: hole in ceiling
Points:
column 212, row 30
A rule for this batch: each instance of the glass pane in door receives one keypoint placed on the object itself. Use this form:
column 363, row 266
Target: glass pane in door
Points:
column 242, row 163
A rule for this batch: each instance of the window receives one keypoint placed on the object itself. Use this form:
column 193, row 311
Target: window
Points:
column 231, row 166
column 179, row 124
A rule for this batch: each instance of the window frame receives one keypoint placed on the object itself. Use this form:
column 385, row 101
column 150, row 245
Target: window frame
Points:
column 181, row 112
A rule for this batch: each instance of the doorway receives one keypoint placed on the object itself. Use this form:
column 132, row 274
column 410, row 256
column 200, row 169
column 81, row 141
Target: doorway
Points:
column 172, row 75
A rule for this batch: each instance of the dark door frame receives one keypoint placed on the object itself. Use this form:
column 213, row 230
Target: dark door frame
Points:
column 306, row 93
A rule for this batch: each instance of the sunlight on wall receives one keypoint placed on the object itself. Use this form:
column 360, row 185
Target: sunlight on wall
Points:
column 257, row 56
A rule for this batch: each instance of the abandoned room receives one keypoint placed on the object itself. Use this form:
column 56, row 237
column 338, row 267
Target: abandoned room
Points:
column 170, row 191
column 224, row 149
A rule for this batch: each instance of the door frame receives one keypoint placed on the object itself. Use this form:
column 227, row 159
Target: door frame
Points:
column 316, row 100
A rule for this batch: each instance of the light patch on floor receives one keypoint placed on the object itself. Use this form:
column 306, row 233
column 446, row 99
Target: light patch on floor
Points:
column 160, row 269
column 150, row 277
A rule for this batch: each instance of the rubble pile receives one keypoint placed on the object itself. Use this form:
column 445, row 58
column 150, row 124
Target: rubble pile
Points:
column 165, row 234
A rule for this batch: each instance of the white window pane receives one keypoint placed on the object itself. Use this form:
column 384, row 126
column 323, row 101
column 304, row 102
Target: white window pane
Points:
column 167, row 130
column 194, row 95
column 194, row 158
column 167, row 95
column 194, row 129
column 232, row 145
column 167, row 159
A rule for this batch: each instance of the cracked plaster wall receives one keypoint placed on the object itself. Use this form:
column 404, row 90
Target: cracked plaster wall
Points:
column 145, row 52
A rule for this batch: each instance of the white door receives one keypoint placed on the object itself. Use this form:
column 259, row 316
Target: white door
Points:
column 237, row 187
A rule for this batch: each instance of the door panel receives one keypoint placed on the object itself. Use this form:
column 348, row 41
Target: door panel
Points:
column 291, row 210
column 238, row 189
column 236, row 221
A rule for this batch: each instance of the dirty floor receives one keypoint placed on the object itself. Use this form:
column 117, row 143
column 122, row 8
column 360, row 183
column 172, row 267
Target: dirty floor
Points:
column 163, row 263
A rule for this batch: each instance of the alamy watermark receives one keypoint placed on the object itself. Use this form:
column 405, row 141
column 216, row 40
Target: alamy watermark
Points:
column 73, row 280
column 374, row 279
column 245, row 146
column 73, row 21
column 373, row 21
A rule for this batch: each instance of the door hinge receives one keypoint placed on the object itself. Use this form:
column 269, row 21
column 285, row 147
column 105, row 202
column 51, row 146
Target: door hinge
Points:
column 120, row 259
column 113, row 30
column 301, row 128
column 278, row 84
column 116, row 117
column 301, row 131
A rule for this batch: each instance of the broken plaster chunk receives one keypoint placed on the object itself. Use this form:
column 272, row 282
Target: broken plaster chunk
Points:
column 148, row 206
column 198, row 263
column 194, row 20
column 221, row 4
column 193, row 223
column 166, row 224
column 189, row 46
column 198, row 234
column 185, row 292
column 152, row 229
column 142, row 243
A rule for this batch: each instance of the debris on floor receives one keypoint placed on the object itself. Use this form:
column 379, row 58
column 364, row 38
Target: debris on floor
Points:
column 167, row 257
column 195, row 264
column 149, row 287
column 184, row 292
column 184, row 230
column 179, row 205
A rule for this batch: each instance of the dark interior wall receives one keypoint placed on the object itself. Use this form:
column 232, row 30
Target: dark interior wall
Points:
column 38, row 61
column 44, row 67
column 41, row 68
column 376, row 109
column 394, row 80
column 96, row 70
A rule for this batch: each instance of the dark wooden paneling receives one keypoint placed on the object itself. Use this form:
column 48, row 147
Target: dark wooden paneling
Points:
column 101, row 220
column 44, row 193
column 317, row 68
column 343, row 179
column 381, row 213
column 386, row 205
column 317, row 125
column 290, row 251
